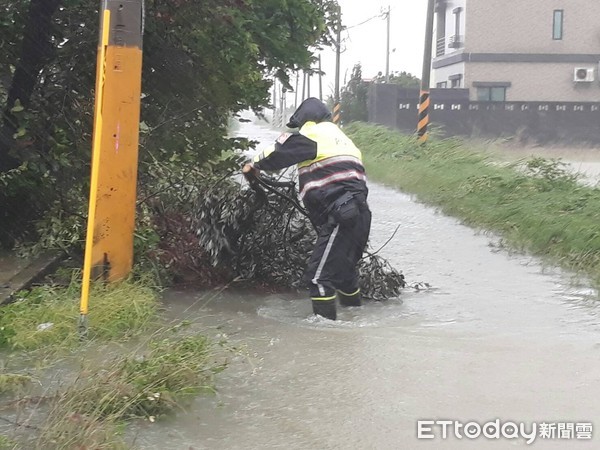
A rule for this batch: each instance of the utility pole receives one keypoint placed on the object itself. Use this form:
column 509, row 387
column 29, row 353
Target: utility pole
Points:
column 303, row 84
column 112, row 203
column 338, row 49
column 275, row 118
column 282, row 106
column 387, row 55
column 320, row 80
column 296, row 90
column 423, row 118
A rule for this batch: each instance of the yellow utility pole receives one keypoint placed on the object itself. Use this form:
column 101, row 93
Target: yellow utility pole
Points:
column 111, row 217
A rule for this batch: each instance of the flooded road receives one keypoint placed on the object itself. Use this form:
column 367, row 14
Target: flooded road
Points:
column 496, row 337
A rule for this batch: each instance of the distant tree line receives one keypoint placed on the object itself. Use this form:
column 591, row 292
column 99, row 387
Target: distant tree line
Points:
column 353, row 96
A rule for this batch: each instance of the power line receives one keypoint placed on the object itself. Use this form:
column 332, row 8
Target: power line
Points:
column 380, row 15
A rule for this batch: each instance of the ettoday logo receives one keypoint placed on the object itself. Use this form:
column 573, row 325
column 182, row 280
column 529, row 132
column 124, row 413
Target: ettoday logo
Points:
column 497, row 429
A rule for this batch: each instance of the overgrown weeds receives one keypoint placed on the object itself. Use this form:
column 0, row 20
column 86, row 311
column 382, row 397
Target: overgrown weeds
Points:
column 6, row 443
column 101, row 389
column 46, row 316
column 539, row 207
column 145, row 384
column 13, row 382
column 93, row 409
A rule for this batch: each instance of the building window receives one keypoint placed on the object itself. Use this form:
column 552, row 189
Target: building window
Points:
column 491, row 94
column 491, row 91
column 455, row 80
column 557, row 25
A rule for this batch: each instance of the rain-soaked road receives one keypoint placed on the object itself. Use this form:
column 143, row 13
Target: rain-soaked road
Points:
column 497, row 337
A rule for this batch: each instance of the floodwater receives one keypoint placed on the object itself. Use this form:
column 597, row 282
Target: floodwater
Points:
column 585, row 161
column 497, row 336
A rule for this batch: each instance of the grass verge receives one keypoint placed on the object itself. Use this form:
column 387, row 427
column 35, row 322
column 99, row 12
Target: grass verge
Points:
column 540, row 208
column 46, row 316
column 144, row 384
column 102, row 385
column 13, row 382
column 7, row 443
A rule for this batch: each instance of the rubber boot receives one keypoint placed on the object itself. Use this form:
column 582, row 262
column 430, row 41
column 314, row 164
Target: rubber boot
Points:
column 325, row 308
column 349, row 299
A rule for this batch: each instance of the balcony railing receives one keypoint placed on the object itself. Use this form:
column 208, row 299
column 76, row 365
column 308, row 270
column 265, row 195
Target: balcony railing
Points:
column 456, row 41
column 440, row 47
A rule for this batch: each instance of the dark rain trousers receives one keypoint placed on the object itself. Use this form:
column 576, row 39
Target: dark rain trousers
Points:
column 337, row 251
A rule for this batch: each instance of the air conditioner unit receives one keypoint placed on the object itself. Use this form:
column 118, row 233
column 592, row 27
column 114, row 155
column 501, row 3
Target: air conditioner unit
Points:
column 583, row 74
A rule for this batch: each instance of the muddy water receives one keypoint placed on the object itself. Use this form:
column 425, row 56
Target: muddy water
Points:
column 496, row 336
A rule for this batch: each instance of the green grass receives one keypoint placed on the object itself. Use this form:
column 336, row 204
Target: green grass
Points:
column 116, row 311
column 13, row 382
column 7, row 443
column 148, row 383
column 540, row 208
column 104, row 385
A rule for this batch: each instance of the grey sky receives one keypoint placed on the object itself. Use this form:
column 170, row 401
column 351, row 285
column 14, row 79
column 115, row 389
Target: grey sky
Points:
column 367, row 43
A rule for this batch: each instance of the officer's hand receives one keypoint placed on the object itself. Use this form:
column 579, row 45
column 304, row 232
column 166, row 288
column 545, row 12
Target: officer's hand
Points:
column 249, row 170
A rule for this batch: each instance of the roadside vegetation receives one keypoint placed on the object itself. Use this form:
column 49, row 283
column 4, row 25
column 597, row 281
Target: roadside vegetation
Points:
column 354, row 95
column 194, row 80
column 58, row 392
column 537, row 206
column 46, row 317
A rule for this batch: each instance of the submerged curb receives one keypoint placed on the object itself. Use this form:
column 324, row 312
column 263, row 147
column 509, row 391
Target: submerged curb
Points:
column 30, row 274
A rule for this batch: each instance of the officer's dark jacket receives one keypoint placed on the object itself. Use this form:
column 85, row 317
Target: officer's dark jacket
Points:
column 329, row 164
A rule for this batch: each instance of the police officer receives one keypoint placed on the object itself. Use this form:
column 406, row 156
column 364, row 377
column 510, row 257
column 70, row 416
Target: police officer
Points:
column 333, row 187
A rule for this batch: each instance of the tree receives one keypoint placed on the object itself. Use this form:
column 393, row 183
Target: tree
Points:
column 203, row 61
column 403, row 79
column 354, row 95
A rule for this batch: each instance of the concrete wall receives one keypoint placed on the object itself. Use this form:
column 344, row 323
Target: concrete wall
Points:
column 383, row 103
column 454, row 115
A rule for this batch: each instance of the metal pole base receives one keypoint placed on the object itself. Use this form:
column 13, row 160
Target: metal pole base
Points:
column 82, row 327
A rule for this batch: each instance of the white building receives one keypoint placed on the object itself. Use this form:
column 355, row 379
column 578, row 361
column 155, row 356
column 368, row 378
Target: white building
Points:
column 519, row 50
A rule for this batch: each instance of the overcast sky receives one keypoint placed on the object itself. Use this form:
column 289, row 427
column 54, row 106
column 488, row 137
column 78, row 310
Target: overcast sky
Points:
column 367, row 43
